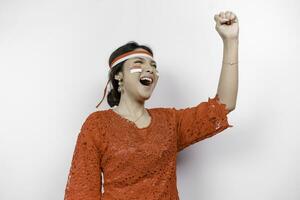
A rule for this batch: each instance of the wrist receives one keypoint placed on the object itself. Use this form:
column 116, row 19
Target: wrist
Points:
column 231, row 40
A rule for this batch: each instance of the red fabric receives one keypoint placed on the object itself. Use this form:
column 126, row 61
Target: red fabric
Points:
column 138, row 163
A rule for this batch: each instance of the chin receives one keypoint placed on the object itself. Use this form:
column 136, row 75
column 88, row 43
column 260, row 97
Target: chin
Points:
column 144, row 93
column 145, row 96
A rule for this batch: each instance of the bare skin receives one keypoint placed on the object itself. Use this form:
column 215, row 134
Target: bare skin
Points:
column 134, row 94
column 228, row 28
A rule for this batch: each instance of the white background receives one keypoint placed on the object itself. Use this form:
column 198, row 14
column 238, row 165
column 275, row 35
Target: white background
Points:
column 53, row 59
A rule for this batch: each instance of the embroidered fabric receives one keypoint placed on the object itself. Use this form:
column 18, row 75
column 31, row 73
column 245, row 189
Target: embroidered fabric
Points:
column 138, row 163
column 84, row 180
column 200, row 122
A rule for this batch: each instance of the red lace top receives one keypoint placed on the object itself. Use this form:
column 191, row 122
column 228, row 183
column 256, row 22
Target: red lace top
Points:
column 138, row 163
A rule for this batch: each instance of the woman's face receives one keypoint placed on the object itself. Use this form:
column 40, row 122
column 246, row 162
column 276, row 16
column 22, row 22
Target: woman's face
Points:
column 134, row 70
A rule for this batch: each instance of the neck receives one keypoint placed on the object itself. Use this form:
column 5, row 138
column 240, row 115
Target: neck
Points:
column 130, row 106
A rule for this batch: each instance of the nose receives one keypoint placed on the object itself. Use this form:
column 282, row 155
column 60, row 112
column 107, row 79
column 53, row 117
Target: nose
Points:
column 149, row 68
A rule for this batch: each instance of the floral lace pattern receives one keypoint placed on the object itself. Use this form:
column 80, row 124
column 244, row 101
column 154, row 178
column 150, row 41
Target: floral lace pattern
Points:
column 138, row 163
column 84, row 180
column 200, row 122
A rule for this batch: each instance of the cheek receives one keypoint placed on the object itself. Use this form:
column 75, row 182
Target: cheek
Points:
column 134, row 70
column 133, row 73
column 132, row 80
column 155, row 82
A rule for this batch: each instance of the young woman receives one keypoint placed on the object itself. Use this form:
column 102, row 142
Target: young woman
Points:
column 134, row 148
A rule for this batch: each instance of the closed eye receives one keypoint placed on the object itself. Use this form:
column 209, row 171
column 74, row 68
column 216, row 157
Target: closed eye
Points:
column 139, row 61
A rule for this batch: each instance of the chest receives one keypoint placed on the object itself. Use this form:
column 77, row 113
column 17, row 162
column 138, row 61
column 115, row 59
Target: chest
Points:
column 128, row 146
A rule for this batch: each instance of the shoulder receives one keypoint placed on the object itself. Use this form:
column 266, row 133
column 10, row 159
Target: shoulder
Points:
column 96, row 116
column 94, row 126
column 95, row 119
column 163, row 112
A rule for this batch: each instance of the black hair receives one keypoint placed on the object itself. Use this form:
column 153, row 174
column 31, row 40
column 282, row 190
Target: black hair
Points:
column 113, row 96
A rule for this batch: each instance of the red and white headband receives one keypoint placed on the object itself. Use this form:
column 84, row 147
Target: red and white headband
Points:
column 128, row 55
column 123, row 57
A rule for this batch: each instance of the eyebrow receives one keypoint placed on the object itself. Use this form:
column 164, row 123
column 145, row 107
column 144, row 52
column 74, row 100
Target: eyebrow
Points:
column 152, row 61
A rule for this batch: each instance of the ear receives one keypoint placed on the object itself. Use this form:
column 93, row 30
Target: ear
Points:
column 119, row 76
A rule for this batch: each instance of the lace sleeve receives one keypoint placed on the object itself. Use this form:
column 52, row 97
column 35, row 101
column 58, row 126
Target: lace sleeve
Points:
column 84, row 180
column 199, row 122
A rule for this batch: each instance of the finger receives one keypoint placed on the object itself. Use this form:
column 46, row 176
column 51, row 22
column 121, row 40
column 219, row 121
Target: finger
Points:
column 222, row 14
column 227, row 14
column 217, row 19
column 232, row 16
column 224, row 20
column 236, row 19
column 232, row 13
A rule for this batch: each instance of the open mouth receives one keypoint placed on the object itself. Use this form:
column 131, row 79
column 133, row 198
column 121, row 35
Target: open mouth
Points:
column 146, row 81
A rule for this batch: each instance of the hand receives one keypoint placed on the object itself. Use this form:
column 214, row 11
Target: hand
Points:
column 227, row 25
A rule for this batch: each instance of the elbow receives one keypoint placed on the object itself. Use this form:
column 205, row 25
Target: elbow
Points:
column 231, row 108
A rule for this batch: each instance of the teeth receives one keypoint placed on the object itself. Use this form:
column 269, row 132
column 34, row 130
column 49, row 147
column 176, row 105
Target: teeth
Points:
column 147, row 78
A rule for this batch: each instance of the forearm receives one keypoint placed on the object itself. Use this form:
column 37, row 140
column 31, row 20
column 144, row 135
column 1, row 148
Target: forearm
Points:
column 228, row 82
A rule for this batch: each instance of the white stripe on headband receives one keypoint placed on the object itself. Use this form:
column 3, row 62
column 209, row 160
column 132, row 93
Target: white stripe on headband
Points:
column 131, row 56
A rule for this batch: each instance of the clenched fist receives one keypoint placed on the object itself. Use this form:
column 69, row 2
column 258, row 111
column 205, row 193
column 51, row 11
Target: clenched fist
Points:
column 227, row 25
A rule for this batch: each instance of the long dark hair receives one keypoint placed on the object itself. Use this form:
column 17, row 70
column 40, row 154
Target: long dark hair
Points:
column 113, row 96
